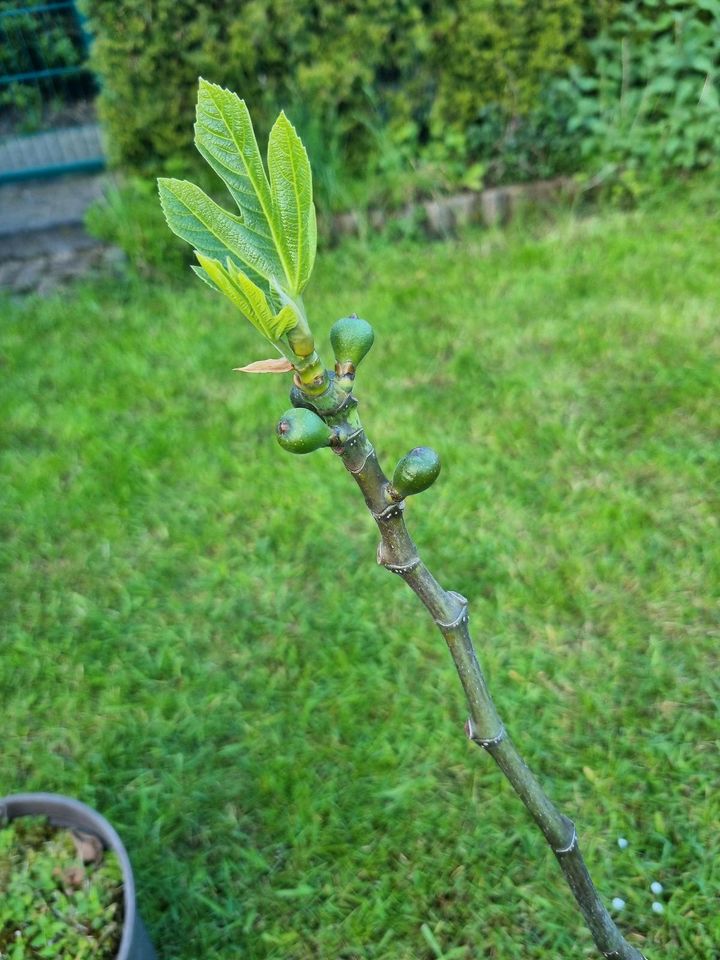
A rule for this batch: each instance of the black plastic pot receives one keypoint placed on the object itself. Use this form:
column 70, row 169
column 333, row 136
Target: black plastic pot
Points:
column 66, row 812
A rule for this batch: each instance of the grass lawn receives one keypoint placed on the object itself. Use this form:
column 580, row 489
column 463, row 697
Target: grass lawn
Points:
column 197, row 641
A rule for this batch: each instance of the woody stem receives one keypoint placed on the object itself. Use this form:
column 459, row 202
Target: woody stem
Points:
column 449, row 610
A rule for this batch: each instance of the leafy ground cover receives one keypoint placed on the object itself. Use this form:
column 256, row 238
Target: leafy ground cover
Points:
column 284, row 754
column 59, row 898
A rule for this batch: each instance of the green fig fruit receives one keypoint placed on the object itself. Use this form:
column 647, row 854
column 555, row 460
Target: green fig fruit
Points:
column 415, row 472
column 351, row 338
column 302, row 431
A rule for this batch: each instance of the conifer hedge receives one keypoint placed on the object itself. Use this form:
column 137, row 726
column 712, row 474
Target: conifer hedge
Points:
column 416, row 72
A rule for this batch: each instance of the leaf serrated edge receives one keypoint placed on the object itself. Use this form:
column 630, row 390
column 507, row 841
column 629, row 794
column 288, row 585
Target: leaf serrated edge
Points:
column 283, row 136
column 187, row 195
column 266, row 203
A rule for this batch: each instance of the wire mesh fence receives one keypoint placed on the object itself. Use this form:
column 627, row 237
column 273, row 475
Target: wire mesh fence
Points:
column 47, row 115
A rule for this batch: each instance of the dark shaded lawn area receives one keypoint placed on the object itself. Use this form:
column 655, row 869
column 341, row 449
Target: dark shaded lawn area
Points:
column 197, row 641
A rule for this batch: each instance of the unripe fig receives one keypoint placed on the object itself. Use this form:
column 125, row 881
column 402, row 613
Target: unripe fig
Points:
column 415, row 472
column 302, row 431
column 351, row 338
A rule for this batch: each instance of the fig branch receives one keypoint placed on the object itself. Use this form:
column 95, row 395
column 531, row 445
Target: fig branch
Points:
column 330, row 418
column 261, row 258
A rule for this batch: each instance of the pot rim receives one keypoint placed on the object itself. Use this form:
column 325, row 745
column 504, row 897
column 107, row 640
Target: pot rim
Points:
column 65, row 811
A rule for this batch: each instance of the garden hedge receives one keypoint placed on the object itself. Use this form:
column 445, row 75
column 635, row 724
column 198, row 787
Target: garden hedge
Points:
column 407, row 73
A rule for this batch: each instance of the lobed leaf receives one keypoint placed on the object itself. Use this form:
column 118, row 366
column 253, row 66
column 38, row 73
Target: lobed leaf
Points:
column 225, row 137
column 261, row 258
column 194, row 217
column 281, row 212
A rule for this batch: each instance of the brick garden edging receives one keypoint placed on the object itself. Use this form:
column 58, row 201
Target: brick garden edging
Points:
column 44, row 245
column 491, row 207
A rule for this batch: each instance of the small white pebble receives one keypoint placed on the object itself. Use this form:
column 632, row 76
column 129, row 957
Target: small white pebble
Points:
column 657, row 907
column 618, row 903
column 622, row 843
column 656, row 887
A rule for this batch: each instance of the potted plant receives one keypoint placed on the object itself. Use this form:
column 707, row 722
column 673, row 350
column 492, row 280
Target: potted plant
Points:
column 23, row 935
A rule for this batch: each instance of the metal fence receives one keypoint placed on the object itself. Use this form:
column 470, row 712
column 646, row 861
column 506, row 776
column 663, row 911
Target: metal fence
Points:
column 47, row 116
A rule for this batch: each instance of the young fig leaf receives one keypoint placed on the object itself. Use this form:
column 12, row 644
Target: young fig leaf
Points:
column 248, row 298
column 278, row 212
column 214, row 232
column 225, row 137
column 292, row 200
column 262, row 256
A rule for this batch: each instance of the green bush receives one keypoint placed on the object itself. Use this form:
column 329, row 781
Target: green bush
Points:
column 420, row 72
column 398, row 101
column 130, row 217
column 649, row 104
column 497, row 54
column 540, row 145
